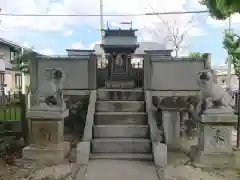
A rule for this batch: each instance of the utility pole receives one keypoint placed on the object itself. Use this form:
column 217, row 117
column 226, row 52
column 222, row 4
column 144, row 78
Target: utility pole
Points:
column 229, row 70
column 101, row 28
column 101, row 18
column 0, row 19
column 22, row 73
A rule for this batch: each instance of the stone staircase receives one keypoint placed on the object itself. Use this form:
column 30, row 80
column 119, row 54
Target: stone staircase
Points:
column 120, row 128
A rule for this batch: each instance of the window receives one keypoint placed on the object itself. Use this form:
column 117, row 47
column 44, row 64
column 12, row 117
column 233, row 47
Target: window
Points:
column 18, row 81
column 2, row 75
column 2, row 83
column 12, row 56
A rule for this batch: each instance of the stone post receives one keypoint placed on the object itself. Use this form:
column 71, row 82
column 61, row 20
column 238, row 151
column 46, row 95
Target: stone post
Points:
column 171, row 126
column 147, row 72
column 207, row 60
column 215, row 139
column 92, row 71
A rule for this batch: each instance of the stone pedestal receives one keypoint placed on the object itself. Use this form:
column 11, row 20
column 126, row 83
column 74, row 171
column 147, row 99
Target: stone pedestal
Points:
column 215, row 139
column 171, row 126
column 46, row 130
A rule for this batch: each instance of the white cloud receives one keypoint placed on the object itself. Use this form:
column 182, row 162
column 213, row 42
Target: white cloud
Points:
column 146, row 24
column 26, row 45
column 88, row 7
column 47, row 51
column 78, row 45
column 195, row 5
column 235, row 20
column 67, row 33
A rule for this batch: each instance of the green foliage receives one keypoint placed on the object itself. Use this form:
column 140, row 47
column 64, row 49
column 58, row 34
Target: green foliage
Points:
column 21, row 63
column 222, row 9
column 231, row 43
column 196, row 54
column 76, row 120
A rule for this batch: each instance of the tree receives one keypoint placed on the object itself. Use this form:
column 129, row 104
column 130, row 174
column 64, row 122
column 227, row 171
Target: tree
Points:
column 222, row 9
column 177, row 30
column 21, row 63
column 196, row 54
column 231, row 43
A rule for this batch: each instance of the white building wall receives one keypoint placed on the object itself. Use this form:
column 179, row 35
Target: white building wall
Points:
column 222, row 78
column 5, row 54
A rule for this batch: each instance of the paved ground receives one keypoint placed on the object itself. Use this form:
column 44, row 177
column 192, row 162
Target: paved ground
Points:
column 120, row 170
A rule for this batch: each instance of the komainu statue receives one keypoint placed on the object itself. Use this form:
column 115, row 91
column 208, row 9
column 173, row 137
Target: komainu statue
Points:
column 212, row 94
column 50, row 94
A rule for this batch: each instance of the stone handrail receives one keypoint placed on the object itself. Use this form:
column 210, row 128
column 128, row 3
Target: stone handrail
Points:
column 87, row 136
column 154, row 131
column 193, row 114
column 159, row 150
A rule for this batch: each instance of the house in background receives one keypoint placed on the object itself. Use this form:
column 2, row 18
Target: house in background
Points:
column 221, row 72
column 10, row 79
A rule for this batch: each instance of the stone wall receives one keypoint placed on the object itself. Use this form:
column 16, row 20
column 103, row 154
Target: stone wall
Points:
column 175, row 74
column 79, row 71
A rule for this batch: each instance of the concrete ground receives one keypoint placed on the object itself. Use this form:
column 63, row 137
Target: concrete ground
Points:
column 120, row 170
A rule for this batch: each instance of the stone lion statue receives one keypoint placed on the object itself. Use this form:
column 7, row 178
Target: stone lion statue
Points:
column 212, row 94
column 50, row 95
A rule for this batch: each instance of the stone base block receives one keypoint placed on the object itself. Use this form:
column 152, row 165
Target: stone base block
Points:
column 215, row 160
column 236, row 153
column 2, row 166
column 160, row 154
column 83, row 153
column 49, row 154
column 171, row 126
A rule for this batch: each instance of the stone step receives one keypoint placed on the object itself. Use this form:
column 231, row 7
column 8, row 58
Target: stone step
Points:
column 120, row 106
column 122, row 156
column 111, row 118
column 121, row 145
column 120, row 95
column 121, row 131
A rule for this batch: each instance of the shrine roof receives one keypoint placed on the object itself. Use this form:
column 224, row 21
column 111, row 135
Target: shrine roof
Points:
column 143, row 46
column 119, row 32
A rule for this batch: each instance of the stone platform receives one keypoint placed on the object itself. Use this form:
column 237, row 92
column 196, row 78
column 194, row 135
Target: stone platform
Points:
column 50, row 153
column 119, row 84
column 120, row 170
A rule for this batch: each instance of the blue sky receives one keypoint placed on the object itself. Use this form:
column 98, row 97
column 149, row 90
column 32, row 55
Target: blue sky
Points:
column 52, row 35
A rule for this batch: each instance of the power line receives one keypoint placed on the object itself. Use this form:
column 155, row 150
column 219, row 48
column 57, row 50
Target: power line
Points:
column 97, row 15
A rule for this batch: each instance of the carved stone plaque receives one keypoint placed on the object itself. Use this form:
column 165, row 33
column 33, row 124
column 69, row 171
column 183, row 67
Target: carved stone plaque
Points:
column 47, row 132
column 217, row 139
